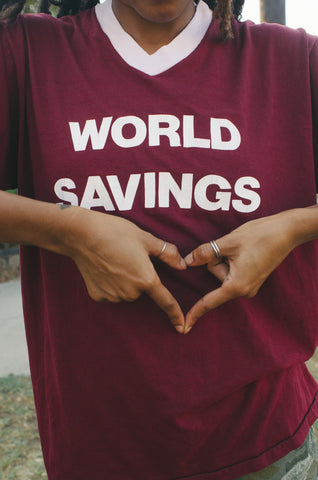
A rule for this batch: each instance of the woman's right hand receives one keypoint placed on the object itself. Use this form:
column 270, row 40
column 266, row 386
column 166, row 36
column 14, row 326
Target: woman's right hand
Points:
column 112, row 255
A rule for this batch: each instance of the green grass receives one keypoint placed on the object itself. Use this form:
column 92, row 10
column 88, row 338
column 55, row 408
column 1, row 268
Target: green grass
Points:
column 20, row 451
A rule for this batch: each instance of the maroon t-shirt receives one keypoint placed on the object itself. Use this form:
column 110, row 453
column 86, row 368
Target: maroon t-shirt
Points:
column 227, row 135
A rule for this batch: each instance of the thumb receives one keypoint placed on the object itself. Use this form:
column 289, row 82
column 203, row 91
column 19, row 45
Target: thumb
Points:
column 210, row 301
column 200, row 256
column 166, row 252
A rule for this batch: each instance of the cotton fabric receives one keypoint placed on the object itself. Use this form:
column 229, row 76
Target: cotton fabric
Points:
column 119, row 394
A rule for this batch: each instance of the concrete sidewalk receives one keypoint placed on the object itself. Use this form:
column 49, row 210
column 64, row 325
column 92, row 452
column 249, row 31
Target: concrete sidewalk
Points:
column 13, row 349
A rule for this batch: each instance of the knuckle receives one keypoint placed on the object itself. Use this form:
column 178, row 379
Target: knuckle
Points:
column 204, row 251
column 131, row 296
column 168, row 306
column 237, row 290
column 96, row 295
column 127, row 293
column 249, row 295
column 200, row 250
column 245, row 291
column 149, row 282
column 148, row 238
column 97, row 298
column 115, row 299
column 147, row 235
column 172, row 249
column 252, row 293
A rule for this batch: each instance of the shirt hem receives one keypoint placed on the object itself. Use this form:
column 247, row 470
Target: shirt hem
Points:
column 268, row 456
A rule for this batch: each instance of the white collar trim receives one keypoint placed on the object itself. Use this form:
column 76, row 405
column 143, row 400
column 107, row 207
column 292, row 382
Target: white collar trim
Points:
column 168, row 55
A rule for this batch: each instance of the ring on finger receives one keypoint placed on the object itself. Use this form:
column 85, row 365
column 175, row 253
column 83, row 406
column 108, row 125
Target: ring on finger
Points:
column 163, row 249
column 216, row 249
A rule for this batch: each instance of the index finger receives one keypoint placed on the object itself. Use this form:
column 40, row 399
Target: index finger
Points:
column 211, row 300
column 166, row 301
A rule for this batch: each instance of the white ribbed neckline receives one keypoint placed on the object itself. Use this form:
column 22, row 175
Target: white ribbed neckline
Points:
column 168, row 55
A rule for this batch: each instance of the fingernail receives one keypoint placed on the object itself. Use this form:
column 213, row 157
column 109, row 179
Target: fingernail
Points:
column 187, row 330
column 183, row 263
column 179, row 329
column 189, row 259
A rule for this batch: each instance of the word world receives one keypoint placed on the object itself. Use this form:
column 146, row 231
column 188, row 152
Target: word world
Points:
column 224, row 135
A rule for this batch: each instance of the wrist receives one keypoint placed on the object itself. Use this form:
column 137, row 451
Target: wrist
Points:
column 62, row 232
column 32, row 222
column 302, row 225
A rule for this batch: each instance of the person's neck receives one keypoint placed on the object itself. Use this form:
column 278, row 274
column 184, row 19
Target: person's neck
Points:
column 151, row 35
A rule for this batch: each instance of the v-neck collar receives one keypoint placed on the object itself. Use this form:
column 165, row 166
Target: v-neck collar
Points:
column 168, row 55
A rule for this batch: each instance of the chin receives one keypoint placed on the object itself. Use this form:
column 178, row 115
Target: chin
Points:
column 160, row 11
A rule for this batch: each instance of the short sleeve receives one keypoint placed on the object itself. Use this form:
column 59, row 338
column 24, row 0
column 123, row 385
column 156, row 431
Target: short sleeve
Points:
column 314, row 94
column 9, row 116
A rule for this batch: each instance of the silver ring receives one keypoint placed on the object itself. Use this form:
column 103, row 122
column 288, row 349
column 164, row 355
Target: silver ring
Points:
column 163, row 249
column 216, row 249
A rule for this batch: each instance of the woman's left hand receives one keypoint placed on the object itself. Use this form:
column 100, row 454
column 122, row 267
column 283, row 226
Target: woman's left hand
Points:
column 249, row 254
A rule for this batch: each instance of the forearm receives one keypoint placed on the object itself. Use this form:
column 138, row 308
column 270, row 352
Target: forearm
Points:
column 303, row 224
column 32, row 222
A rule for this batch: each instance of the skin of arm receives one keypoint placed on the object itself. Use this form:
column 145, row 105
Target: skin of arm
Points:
column 249, row 255
column 111, row 253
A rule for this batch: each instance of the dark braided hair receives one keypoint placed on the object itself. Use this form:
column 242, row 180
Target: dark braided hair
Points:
column 224, row 10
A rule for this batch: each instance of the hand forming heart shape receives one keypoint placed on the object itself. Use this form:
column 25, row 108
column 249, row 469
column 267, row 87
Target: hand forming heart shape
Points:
column 115, row 265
